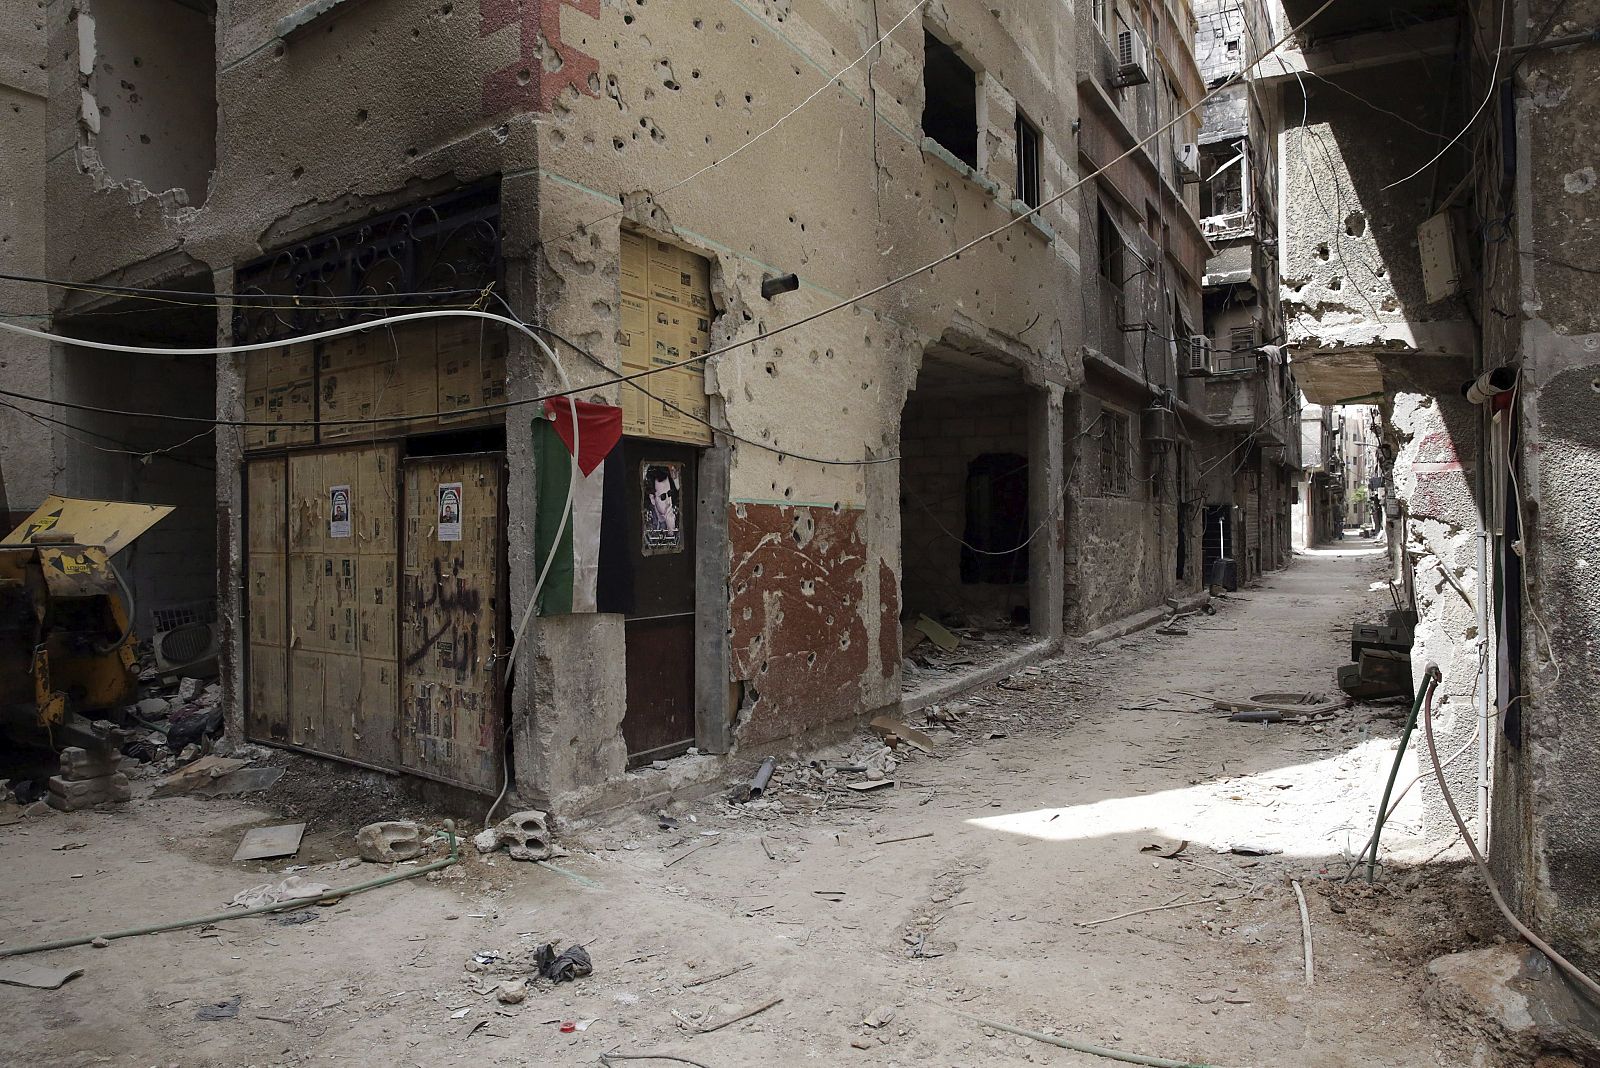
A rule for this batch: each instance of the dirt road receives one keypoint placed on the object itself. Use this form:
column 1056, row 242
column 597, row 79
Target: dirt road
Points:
column 1032, row 822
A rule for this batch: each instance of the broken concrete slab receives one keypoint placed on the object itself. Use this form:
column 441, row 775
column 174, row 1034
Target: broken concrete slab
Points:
column 37, row 976
column 1517, row 1004
column 243, row 781
column 263, row 843
column 192, row 776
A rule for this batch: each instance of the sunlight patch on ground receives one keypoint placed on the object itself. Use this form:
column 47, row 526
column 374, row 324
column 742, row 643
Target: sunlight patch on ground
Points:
column 1322, row 808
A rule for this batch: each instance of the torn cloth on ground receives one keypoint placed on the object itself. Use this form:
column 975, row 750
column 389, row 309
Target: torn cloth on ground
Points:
column 293, row 888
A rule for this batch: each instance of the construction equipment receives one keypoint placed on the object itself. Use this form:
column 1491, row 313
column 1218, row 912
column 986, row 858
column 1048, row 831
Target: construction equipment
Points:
column 67, row 646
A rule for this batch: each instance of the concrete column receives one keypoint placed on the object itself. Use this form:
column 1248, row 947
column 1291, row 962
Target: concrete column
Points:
column 232, row 567
column 1556, row 752
column 1435, row 473
column 524, row 379
column 1047, row 506
column 714, row 700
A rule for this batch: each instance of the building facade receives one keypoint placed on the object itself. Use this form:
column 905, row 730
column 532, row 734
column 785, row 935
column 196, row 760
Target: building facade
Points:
column 546, row 199
column 1437, row 235
column 1239, row 355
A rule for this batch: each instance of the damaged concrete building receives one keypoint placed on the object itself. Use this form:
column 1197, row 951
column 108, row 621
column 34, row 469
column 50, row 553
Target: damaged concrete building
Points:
column 1250, row 389
column 1015, row 441
column 1438, row 232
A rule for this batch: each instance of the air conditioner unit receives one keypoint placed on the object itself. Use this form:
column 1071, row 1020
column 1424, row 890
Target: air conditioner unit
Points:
column 1198, row 356
column 1131, row 68
column 1189, row 163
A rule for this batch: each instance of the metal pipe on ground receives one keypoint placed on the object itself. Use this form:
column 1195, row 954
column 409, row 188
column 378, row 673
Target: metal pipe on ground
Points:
column 234, row 914
column 763, row 775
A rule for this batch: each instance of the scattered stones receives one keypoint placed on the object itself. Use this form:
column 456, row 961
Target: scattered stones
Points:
column 525, row 835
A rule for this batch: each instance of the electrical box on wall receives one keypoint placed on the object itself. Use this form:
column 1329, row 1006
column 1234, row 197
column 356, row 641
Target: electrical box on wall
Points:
column 1442, row 264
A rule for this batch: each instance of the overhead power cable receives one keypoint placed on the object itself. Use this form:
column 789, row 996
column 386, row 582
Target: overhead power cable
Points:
column 1494, row 85
column 633, row 376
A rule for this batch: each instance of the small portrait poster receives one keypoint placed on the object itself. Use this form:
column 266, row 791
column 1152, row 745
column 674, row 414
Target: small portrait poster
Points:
column 662, row 482
column 338, row 511
column 449, row 511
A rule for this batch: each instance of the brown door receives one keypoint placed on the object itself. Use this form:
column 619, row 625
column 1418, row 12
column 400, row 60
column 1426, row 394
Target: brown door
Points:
column 452, row 727
column 660, row 626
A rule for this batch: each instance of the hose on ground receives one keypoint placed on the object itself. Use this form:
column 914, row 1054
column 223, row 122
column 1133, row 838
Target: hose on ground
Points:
column 1589, row 985
column 234, row 914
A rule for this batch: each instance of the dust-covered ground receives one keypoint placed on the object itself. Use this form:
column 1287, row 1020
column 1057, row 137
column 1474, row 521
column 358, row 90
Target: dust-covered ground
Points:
column 981, row 887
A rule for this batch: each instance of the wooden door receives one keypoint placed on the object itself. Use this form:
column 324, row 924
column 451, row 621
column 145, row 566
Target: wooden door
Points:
column 453, row 725
column 343, row 590
column 660, row 717
column 266, row 713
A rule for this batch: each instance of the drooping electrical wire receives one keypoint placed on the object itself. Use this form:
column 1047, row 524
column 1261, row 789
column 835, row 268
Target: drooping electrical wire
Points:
column 1017, row 219
column 1494, row 87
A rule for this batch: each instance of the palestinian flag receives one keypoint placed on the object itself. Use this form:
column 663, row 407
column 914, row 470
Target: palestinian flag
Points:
column 572, row 583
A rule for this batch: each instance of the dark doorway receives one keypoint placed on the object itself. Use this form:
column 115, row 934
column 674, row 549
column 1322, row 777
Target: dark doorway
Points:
column 997, row 519
column 660, row 645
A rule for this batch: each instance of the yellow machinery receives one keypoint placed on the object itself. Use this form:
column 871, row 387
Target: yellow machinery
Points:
column 67, row 647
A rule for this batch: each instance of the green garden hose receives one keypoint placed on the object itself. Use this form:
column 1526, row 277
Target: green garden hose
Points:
column 1371, row 849
column 234, row 914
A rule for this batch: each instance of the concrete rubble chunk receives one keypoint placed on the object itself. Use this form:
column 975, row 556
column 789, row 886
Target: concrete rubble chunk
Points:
column 1518, row 1005
column 525, row 835
column 153, row 708
column 391, row 841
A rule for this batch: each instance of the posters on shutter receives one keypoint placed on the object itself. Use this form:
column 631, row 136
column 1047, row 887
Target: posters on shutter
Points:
column 663, row 518
column 449, row 511
column 339, row 505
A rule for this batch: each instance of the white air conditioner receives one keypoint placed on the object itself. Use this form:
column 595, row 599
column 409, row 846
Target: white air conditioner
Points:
column 1189, row 162
column 1131, row 67
column 1197, row 359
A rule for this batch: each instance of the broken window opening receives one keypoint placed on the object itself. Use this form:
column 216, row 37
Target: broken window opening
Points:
column 1224, row 193
column 1028, row 145
column 997, row 520
column 1114, row 460
column 950, row 100
column 1109, row 246
column 150, row 101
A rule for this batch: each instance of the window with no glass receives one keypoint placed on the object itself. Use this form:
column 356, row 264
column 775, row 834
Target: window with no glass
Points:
column 1113, row 454
column 950, row 100
column 1028, row 142
column 1223, row 193
column 1109, row 241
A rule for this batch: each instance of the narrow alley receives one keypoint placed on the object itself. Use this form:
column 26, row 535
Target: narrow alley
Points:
column 983, row 886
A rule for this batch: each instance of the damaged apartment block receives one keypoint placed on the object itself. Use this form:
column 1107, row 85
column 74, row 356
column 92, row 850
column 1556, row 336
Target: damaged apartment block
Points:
column 557, row 416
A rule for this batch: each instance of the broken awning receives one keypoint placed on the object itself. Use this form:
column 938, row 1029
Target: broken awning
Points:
column 112, row 524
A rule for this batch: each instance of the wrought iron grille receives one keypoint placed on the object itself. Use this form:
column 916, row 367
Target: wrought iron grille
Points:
column 443, row 251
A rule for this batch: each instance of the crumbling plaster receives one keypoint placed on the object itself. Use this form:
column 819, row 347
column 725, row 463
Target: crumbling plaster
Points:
column 371, row 106
column 1435, row 474
column 845, row 196
column 27, row 448
column 1352, row 276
